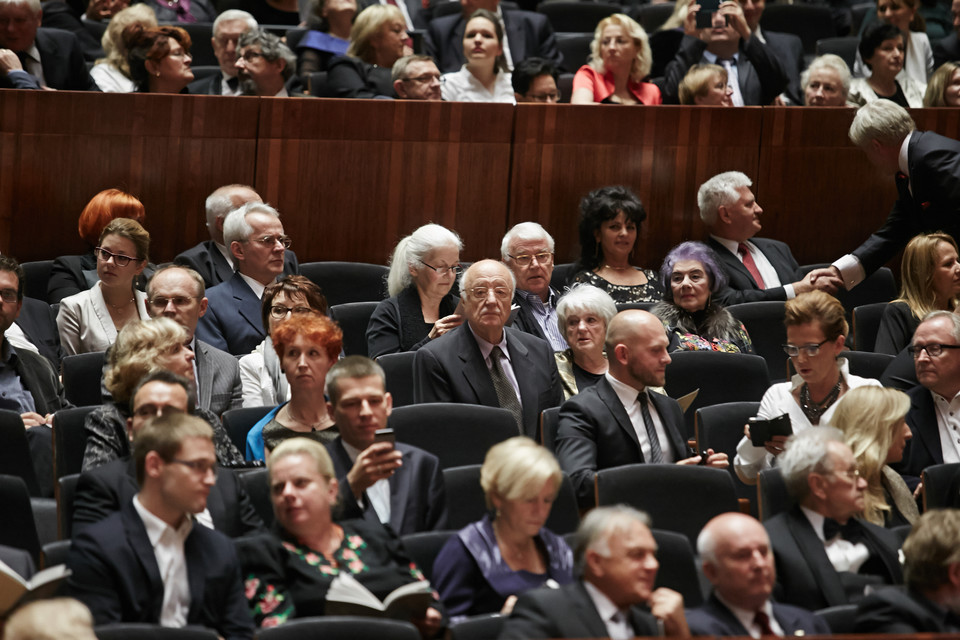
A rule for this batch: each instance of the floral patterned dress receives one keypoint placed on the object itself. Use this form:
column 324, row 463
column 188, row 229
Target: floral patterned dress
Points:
column 284, row 579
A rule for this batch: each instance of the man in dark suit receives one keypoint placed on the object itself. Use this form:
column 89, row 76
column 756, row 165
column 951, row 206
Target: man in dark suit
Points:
column 753, row 71
column 212, row 258
column 757, row 269
column 931, row 602
column 227, row 29
column 47, row 57
column 178, row 293
column 738, row 562
column 618, row 421
column 528, row 34
column 787, row 47
column 483, row 362
column 388, row 482
column 105, row 489
column 233, row 322
column 826, row 557
column 36, row 328
column 948, row 49
column 527, row 249
column 926, row 166
column 151, row 562
column 615, row 555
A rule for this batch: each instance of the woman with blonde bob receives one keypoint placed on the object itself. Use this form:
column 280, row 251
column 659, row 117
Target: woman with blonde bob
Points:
column 706, row 85
column 943, row 90
column 873, row 425
column 488, row 563
column 930, row 276
column 377, row 40
column 112, row 72
column 620, row 59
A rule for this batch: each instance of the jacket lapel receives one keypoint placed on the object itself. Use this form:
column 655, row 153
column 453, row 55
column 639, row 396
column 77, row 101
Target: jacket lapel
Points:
column 928, row 429
column 399, row 490
column 475, row 370
column 248, row 305
column 136, row 535
column 612, row 400
column 524, row 371
column 205, row 373
column 811, row 548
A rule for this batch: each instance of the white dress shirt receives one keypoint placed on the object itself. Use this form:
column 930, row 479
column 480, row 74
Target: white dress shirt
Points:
column 747, row 617
column 379, row 493
column 616, row 621
column 843, row 554
column 767, row 272
column 255, row 285
column 948, row 423
column 167, row 544
column 463, row 86
column 628, row 397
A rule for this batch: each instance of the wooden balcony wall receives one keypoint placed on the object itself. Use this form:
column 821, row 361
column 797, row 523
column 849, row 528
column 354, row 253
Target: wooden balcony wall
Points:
column 351, row 177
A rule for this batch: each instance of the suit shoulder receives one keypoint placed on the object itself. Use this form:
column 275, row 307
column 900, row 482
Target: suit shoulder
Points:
column 444, row 24
column 221, row 357
column 417, row 453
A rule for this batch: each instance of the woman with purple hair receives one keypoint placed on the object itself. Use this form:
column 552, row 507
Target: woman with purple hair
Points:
column 691, row 275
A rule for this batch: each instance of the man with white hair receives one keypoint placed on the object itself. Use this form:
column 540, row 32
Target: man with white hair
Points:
column 233, row 322
column 212, row 258
column 227, row 29
column 527, row 249
column 826, row 82
column 757, row 268
column 616, row 562
column 825, row 556
column 926, row 166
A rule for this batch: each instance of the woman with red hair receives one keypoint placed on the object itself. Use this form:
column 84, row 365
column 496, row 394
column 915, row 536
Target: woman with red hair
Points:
column 159, row 58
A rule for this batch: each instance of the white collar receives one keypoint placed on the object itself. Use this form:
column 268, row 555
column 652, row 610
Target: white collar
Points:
column 626, row 393
column 487, row 347
column 816, row 521
column 904, row 160
column 745, row 616
column 156, row 527
column 603, row 604
column 254, row 284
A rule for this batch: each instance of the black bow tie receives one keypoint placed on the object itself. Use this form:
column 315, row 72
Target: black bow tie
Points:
column 233, row 83
column 850, row 531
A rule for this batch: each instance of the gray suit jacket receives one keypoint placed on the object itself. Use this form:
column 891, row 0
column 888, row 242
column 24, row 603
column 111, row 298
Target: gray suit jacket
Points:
column 218, row 385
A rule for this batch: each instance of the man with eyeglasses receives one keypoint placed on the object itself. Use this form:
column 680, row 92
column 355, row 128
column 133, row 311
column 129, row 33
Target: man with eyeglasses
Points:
column 535, row 80
column 485, row 362
column 105, row 489
column 266, row 66
column 417, row 78
column 227, row 29
column 825, row 555
column 256, row 239
column 178, row 293
column 527, row 249
column 151, row 562
column 933, row 416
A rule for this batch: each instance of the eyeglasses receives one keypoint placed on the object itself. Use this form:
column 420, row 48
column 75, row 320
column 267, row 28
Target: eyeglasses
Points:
column 851, row 474
column 426, row 78
column 481, row 293
column 200, row 467
column 809, row 350
column 118, row 258
column 454, row 269
column 250, row 56
column 178, row 302
column 178, row 54
column 269, row 241
column 279, row 312
column 9, row 295
column 933, row 350
column 545, row 258
column 551, row 96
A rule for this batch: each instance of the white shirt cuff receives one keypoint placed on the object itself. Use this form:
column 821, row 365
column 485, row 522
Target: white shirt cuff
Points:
column 850, row 270
column 788, row 289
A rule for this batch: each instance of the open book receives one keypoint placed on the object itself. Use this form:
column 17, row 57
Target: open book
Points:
column 347, row 597
column 15, row 591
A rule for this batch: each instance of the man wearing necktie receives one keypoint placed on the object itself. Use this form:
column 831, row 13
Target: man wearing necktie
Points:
column 926, row 167
column 825, row 555
column 738, row 562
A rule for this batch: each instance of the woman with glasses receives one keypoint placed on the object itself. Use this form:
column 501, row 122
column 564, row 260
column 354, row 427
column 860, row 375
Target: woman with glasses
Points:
column 159, row 58
column 261, row 375
column 582, row 316
column 421, row 306
column 620, row 60
column 816, row 332
column 91, row 319
column 307, row 345
column 873, row 423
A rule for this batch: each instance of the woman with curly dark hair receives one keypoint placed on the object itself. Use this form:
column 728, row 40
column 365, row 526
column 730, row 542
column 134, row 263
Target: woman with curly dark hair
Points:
column 159, row 58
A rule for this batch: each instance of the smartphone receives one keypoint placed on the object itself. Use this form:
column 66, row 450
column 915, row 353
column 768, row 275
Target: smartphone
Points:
column 705, row 14
column 385, row 435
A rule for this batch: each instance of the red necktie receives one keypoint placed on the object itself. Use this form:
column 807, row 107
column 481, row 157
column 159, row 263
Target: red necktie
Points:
column 751, row 266
column 762, row 620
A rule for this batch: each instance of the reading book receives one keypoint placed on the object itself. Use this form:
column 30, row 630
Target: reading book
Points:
column 762, row 431
column 347, row 597
column 15, row 591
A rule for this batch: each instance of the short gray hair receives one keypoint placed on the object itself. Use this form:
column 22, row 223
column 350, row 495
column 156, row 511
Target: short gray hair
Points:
column 219, row 203
column 412, row 249
column 585, row 298
column 882, row 120
column 463, row 278
column 598, row 526
column 234, row 14
column 34, row 5
column 828, row 61
column 524, row 231
column 236, row 228
column 954, row 322
column 272, row 49
column 805, row 453
column 720, row 191
column 399, row 70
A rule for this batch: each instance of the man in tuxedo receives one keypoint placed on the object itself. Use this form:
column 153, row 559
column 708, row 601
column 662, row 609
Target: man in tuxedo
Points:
column 926, row 166
column 178, row 293
column 227, row 29
column 45, row 58
column 528, row 34
column 212, row 258
column 106, row 489
column 484, row 362
column 233, row 322
column 527, row 249
column 151, row 562
column 618, row 421
column 615, row 556
column 753, row 71
column 389, row 482
column 948, row 49
column 738, row 562
column 824, row 555
column 787, row 47
column 757, row 268
column 931, row 602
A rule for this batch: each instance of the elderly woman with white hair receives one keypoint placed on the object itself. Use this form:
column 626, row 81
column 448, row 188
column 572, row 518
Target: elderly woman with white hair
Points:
column 620, row 59
column 424, row 267
column 488, row 563
column 826, row 82
column 583, row 315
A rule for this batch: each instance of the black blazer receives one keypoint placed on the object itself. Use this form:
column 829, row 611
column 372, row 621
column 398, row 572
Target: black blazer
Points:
column 39, row 324
column 61, row 15
column 805, row 577
column 594, row 432
column 104, row 490
column 417, row 494
column 451, row 369
column 62, row 60
column 714, row 619
column 115, row 574
column 567, row 612
column 207, row 260
column 349, row 77
column 741, row 286
column 789, row 51
column 895, row 610
column 923, row 449
column 209, row 86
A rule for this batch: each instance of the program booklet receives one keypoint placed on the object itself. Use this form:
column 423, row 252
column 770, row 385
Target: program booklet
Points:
column 762, row 431
column 15, row 591
column 347, row 597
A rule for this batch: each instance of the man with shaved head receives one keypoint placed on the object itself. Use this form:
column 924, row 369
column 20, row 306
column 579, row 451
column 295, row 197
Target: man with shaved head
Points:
column 738, row 562
column 485, row 362
column 617, row 421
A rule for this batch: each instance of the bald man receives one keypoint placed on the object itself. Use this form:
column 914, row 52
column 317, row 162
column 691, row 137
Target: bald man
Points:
column 738, row 562
column 618, row 421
